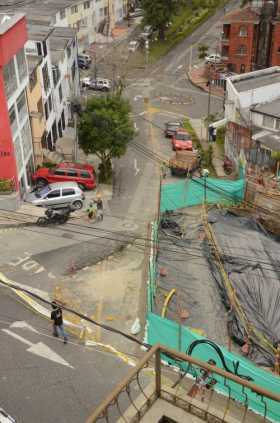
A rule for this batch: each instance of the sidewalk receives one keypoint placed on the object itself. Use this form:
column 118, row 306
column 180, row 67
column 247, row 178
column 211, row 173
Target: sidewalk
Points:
column 198, row 78
column 199, row 127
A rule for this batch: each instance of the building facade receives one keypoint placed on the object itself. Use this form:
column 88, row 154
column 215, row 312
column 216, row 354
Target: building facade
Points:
column 16, row 152
column 251, row 37
column 252, row 117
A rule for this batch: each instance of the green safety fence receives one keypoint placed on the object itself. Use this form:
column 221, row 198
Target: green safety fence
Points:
column 152, row 267
column 166, row 332
column 195, row 191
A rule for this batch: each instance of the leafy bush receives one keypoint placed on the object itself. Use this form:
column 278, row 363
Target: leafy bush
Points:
column 5, row 185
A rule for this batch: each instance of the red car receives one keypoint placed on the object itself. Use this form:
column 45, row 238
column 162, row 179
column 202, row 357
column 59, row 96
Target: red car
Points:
column 83, row 174
column 181, row 140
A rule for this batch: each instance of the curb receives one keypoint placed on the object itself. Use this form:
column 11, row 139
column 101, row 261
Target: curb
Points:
column 81, row 331
column 16, row 225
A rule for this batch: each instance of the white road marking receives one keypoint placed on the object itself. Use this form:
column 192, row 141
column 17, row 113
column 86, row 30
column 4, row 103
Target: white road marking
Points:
column 39, row 349
column 23, row 325
column 136, row 168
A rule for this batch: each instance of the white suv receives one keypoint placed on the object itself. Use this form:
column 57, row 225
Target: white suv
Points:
column 213, row 58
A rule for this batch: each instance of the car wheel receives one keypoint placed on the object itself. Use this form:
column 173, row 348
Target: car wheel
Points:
column 41, row 182
column 78, row 204
column 42, row 221
column 82, row 187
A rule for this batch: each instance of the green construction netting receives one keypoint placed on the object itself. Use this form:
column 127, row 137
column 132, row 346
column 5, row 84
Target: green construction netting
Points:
column 195, row 191
column 166, row 332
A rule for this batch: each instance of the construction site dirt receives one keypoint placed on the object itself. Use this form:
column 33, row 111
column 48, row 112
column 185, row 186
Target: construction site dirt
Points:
column 225, row 271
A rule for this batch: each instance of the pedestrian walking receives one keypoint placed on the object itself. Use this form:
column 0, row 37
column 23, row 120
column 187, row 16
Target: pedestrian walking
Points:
column 211, row 130
column 91, row 211
column 99, row 206
column 214, row 134
column 57, row 318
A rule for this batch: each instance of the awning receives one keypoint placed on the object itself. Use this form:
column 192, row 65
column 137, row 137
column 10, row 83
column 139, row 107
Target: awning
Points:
column 219, row 123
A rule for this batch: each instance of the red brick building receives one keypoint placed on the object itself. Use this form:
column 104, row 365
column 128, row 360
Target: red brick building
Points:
column 251, row 37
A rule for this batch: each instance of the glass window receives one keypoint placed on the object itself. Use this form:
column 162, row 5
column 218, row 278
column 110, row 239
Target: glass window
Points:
column 46, row 110
column 45, row 51
column 277, row 124
column 54, row 194
column 59, row 172
column 268, row 121
column 18, row 154
column 243, row 31
column 46, row 79
column 26, row 139
column 10, row 80
column 13, row 119
column 60, row 93
column 84, row 174
column 242, row 50
column 74, row 9
column 21, row 63
column 50, row 103
column 68, row 191
column 86, row 5
column 22, row 107
column 62, row 14
column 71, row 172
column 39, row 49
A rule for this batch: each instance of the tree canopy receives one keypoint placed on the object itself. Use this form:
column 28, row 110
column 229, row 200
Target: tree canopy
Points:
column 105, row 129
column 157, row 13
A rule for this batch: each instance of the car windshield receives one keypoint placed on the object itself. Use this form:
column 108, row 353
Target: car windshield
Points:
column 42, row 192
column 173, row 124
column 182, row 137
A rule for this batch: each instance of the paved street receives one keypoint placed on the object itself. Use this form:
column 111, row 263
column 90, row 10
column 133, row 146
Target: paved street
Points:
column 43, row 380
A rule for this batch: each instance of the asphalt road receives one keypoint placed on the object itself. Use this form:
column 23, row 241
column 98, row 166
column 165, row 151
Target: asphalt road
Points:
column 42, row 380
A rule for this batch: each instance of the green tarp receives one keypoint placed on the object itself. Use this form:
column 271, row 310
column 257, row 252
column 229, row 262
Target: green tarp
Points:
column 192, row 192
column 166, row 332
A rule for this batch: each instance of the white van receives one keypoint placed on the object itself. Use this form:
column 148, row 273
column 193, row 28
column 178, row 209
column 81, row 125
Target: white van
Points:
column 85, row 57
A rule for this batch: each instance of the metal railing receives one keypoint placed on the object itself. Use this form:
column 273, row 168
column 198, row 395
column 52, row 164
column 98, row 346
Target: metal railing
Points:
column 197, row 380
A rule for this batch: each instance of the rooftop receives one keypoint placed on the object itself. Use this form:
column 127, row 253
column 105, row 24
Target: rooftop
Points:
column 38, row 32
column 8, row 20
column 267, row 138
column 252, row 80
column 242, row 15
column 271, row 108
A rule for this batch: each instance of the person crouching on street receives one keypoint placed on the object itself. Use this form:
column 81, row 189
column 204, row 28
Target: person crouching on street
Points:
column 57, row 318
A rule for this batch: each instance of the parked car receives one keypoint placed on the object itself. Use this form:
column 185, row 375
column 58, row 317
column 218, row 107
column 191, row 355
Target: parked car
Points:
column 86, row 57
column 133, row 46
column 82, row 174
column 83, row 63
column 57, row 195
column 102, row 84
column 5, row 417
column 213, row 58
column 172, row 127
column 181, row 140
column 86, row 82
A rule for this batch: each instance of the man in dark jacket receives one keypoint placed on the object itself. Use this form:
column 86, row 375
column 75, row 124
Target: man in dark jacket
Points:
column 57, row 318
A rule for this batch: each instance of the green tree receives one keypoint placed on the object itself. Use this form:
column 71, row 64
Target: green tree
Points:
column 105, row 129
column 158, row 13
column 202, row 51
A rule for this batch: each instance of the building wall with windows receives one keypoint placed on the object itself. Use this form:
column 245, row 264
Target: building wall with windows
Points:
column 16, row 152
column 35, row 105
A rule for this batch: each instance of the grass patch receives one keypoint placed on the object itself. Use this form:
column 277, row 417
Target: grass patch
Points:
column 183, row 25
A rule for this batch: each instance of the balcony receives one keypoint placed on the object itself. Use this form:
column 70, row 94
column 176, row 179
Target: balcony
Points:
column 153, row 393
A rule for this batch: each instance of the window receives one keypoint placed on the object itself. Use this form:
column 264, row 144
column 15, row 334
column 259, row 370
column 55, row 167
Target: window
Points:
column 242, row 50
column 68, row 50
column 46, row 79
column 277, row 125
column 86, row 5
column 62, row 14
column 242, row 68
column 60, row 93
column 39, row 49
column 71, row 172
column 68, row 191
column 59, row 172
column 33, row 80
column 243, row 31
column 56, row 74
column 54, row 131
column 50, row 103
column 73, row 71
column 10, row 79
column 45, row 51
column 13, row 119
column 54, row 194
column 22, row 107
column 46, row 110
column 21, row 63
column 26, row 139
column 105, row 11
column 18, row 154
column 268, row 121
column 84, row 174
column 74, row 9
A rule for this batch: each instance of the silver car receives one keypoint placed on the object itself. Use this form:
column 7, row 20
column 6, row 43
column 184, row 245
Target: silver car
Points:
column 57, row 195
